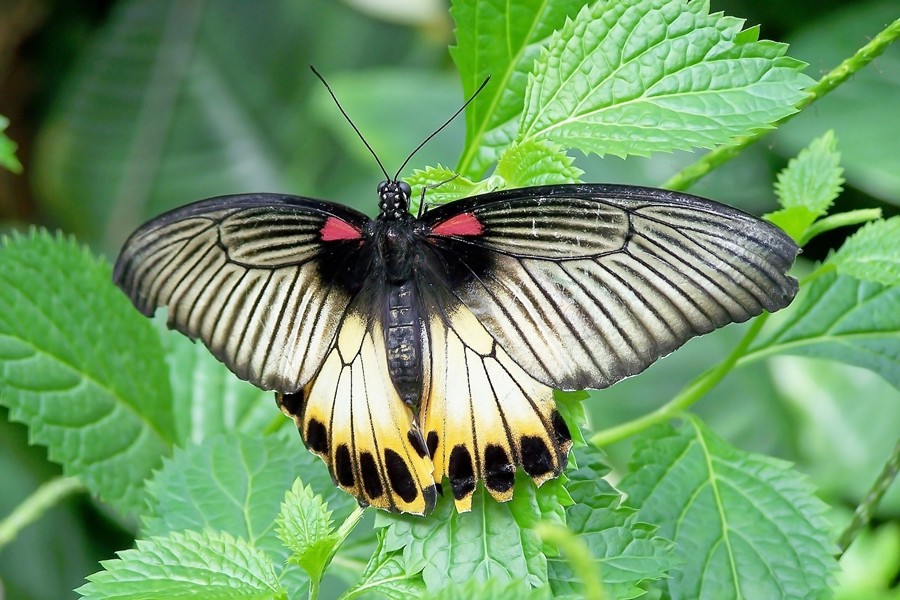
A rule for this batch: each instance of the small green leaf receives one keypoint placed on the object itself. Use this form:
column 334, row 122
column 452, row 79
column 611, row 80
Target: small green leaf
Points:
column 872, row 253
column 571, row 407
column 745, row 525
column 490, row 542
column 643, row 76
column 207, row 565
column 523, row 27
column 389, row 575
column 8, row 149
column 807, row 187
column 443, row 185
column 82, row 368
column 304, row 525
column 628, row 554
column 840, row 318
column 536, row 162
column 207, row 398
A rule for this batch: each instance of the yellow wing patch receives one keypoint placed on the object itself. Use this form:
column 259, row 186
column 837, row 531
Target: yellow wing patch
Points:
column 351, row 416
column 483, row 415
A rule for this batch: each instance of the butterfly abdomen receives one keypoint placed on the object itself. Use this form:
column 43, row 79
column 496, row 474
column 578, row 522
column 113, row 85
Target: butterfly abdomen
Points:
column 403, row 341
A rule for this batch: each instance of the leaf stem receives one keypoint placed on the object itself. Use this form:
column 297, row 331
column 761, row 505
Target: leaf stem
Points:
column 694, row 172
column 34, row 506
column 844, row 219
column 579, row 556
column 686, row 397
column 866, row 508
column 275, row 425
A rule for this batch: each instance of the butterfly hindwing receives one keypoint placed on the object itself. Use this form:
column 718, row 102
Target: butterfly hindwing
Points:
column 351, row 415
column 263, row 280
column 482, row 415
column 585, row 284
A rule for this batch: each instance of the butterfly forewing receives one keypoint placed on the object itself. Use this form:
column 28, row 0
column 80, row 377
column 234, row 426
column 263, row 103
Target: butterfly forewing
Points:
column 585, row 284
column 263, row 280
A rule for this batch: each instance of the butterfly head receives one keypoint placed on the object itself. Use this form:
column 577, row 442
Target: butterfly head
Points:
column 393, row 200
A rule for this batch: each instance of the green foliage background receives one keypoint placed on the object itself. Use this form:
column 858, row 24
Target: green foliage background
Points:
column 123, row 109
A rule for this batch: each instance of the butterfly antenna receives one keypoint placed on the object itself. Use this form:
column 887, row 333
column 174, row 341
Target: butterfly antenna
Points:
column 439, row 129
column 353, row 125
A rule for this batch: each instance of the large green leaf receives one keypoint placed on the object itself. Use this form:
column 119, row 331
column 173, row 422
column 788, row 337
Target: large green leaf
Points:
column 501, row 39
column 872, row 253
column 745, row 525
column 82, row 368
column 628, row 554
column 642, row 76
column 205, row 565
column 841, row 318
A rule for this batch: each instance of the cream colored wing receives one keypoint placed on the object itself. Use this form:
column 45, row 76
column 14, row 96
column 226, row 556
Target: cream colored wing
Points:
column 351, row 416
column 482, row 415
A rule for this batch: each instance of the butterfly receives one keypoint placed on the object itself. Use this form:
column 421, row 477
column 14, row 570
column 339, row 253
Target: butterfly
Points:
column 410, row 350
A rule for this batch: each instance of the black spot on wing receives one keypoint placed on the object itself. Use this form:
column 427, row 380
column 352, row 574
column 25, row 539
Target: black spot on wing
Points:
column 461, row 473
column 416, row 441
column 316, row 436
column 400, row 476
column 369, row 471
column 536, row 457
column 343, row 466
column 432, row 443
column 560, row 429
column 430, row 494
column 292, row 403
column 499, row 472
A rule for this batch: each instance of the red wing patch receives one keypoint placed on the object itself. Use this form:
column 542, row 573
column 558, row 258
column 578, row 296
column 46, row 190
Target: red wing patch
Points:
column 338, row 229
column 461, row 224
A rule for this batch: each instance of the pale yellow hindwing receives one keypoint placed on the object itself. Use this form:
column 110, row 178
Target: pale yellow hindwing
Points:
column 483, row 415
column 352, row 417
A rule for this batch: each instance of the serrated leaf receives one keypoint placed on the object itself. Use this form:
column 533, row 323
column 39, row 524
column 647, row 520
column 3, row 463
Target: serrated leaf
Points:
column 208, row 565
column 872, row 253
column 207, row 398
column 807, row 187
column 495, row 589
column 840, row 318
column 389, row 575
column 536, row 162
column 814, row 178
column 745, row 525
column 642, row 76
column 82, row 368
column 442, row 186
column 490, row 542
column 8, row 149
column 523, row 26
column 629, row 554
column 304, row 526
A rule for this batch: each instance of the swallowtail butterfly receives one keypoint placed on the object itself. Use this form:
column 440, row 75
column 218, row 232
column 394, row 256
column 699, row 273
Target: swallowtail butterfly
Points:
column 413, row 349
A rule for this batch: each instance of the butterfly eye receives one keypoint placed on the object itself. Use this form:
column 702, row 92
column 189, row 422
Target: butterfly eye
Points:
column 382, row 186
column 405, row 189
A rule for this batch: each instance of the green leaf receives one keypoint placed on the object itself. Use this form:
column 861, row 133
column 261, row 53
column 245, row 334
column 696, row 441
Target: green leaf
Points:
column 207, row 398
column 389, row 575
column 524, row 27
column 82, row 368
column 207, row 565
column 442, row 186
column 872, row 253
column 571, row 407
column 8, row 149
column 490, row 542
column 304, row 525
column 628, row 554
column 807, row 187
column 840, row 318
column 745, row 525
column 495, row 589
column 643, row 76
column 536, row 162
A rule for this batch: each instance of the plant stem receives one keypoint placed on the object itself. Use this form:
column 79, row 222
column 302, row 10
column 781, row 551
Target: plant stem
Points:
column 864, row 511
column 277, row 422
column 34, row 506
column 688, row 396
column 694, row 172
column 579, row 556
column 844, row 219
